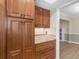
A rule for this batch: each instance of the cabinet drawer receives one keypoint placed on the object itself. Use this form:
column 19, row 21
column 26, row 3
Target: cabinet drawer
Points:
column 46, row 50
column 47, row 45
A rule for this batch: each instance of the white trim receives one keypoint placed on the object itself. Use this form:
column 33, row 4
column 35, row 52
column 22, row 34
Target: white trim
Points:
column 67, row 4
column 72, row 42
column 57, row 34
column 74, row 33
column 63, row 40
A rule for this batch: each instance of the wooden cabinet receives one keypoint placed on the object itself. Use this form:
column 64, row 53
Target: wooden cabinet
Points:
column 38, row 17
column 46, row 18
column 20, row 39
column 29, row 54
column 29, row 9
column 21, row 8
column 47, row 55
column 42, row 17
column 2, row 30
column 14, row 39
column 28, row 34
column 17, row 29
column 15, row 8
column 46, row 50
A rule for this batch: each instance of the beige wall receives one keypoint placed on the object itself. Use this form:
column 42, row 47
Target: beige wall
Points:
column 74, row 23
column 74, row 29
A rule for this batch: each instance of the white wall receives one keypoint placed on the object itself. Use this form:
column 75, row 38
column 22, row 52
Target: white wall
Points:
column 52, row 29
column 63, row 16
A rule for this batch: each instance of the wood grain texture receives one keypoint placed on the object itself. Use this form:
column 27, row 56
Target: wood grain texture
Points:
column 29, row 9
column 46, row 18
column 46, row 50
column 38, row 17
column 21, row 8
column 42, row 17
column 20, row 39
column 2, row 30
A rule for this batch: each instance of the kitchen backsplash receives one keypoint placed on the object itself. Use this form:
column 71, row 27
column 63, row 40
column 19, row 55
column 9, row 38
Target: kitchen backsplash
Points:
column 41, row 31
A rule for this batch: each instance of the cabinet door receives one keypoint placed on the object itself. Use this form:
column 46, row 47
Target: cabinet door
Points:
column 2, row 30
column 38, row 17
column 14, row 39
column 15, row 7
column 29, row 54
column 48, row 55
column 28, row 34
column 28, row 40
column 29, row 10
column 53, row 53
column 46, row 18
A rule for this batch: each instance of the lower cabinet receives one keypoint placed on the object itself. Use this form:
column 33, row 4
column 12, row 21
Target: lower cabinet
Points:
column 47, row 55
column 20, row 39
column 29, row 54
column 46, row 51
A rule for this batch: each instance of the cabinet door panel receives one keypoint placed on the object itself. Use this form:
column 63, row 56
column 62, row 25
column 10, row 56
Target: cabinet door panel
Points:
column 46, row 57
column 15, row 55
column 2, row 30
column 14, row 39
column 29, row 54
column 48, row 54
column 28, row 39
column 42, row 17
column 29, row 10
column 46, row 18
column 15, row 7
column 53, row 53
column 38, row 17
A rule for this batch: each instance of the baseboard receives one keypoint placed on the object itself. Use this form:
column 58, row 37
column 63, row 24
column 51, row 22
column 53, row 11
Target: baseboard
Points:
column 69, row 41
column 63, row 40
column 72, row 42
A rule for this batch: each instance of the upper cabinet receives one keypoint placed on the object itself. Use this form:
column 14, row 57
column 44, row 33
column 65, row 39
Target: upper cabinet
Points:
column 42, row 17
column 21, row 8
column 46, row 18
column 38, row 17
column 29, row 9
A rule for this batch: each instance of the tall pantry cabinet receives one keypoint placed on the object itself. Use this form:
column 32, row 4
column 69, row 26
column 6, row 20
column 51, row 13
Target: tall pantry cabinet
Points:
column 20, row 40
column 2, row 30
column 17, row 32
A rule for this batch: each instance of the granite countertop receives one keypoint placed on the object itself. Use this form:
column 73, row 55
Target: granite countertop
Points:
column 44, row 38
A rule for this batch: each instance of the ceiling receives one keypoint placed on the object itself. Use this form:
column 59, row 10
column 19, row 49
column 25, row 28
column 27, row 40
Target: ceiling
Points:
column 53, row 6
column 71, row 9
column 43, row 4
